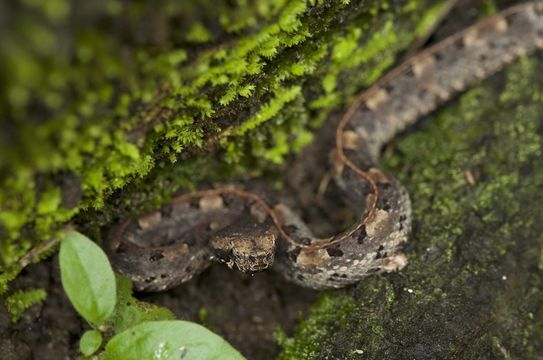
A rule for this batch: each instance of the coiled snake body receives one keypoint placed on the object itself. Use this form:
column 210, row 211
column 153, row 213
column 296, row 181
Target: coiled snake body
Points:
column 251, row 230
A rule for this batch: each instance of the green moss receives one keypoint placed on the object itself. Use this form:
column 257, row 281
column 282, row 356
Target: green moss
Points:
column 19, row 301
column 428, row 20
column 328, row 312
column 475, row 175
column 269, row 110
column 198, row 34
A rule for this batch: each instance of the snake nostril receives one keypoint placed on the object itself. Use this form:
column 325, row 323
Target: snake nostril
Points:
column 156, row 256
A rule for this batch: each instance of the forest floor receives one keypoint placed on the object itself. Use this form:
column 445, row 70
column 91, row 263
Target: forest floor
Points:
column 247, row 310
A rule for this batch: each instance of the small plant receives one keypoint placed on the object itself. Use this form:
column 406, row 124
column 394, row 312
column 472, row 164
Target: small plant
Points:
column 133, row 330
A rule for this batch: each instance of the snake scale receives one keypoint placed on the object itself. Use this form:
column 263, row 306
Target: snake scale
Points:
column 252, row 230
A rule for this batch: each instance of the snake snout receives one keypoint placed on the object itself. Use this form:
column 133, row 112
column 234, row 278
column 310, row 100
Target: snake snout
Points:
column 250, row 247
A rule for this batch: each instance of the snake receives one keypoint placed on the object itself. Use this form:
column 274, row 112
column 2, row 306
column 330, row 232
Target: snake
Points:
column 250, row 228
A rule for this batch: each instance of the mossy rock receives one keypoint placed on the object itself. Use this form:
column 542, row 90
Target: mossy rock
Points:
column 473, row 288
column 104, row 117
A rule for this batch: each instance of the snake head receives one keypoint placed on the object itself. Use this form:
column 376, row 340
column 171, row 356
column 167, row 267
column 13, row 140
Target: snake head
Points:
column 246, row 245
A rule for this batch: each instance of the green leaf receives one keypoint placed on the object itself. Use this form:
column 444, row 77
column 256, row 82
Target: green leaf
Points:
column 165, row 340
column 87, row 277
column 90, row 342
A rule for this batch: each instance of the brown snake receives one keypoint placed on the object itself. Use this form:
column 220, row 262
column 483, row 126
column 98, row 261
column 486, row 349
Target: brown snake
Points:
column 251, row 230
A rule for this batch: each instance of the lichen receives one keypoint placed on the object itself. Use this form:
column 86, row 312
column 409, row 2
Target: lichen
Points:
column 472, row 288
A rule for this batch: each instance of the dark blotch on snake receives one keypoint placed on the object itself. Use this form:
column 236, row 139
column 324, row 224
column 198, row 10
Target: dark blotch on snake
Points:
column 334, row 251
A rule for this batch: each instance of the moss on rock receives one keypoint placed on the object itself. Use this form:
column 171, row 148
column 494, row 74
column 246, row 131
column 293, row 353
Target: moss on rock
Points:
column 473, row 288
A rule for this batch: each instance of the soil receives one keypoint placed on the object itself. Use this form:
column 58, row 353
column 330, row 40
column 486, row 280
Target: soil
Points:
column 51, row 330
